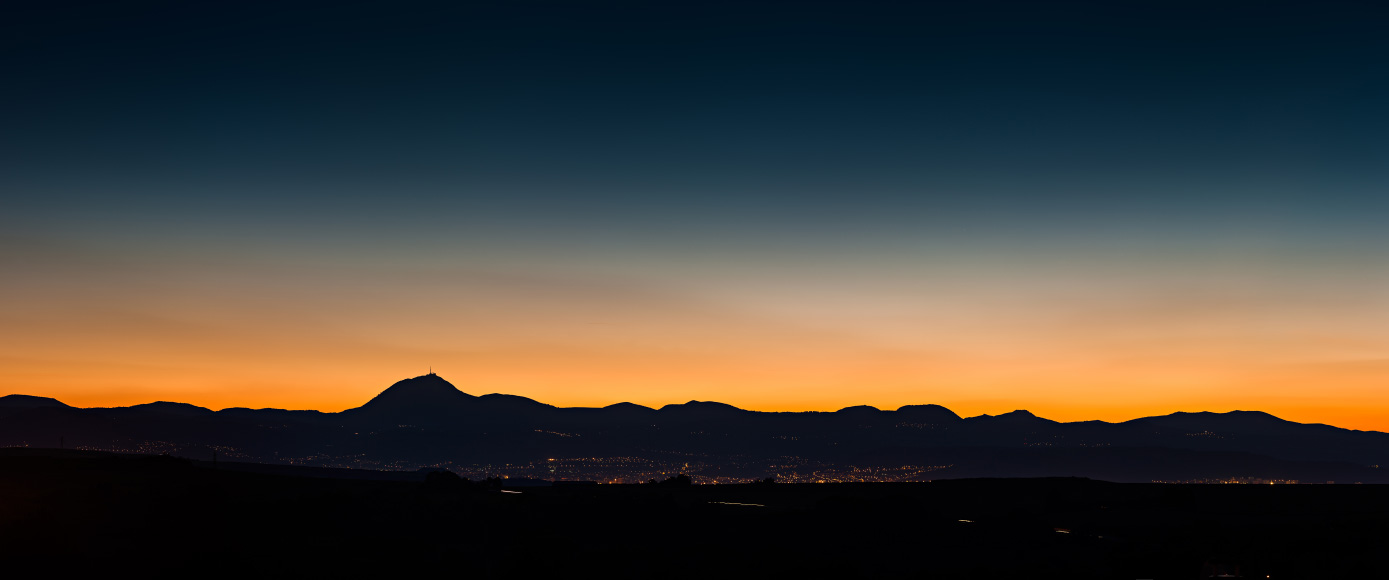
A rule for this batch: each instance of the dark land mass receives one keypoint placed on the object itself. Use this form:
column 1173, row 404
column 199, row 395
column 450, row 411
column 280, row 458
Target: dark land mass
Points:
column 425, row 422
column 73, row 513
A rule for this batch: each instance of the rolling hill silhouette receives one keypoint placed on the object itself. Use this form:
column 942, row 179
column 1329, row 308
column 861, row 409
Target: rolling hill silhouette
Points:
column 425, row 420
column 28, row 402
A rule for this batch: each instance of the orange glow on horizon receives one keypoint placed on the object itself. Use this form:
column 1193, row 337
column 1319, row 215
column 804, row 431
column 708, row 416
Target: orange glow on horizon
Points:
column 1053, row 343
column 816, row 388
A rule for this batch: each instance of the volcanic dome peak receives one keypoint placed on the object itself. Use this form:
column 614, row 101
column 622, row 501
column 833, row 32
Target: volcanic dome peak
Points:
column 430, row 389
column 629, row 407
column 928, row 412
column 30, row 401
column 701, row 406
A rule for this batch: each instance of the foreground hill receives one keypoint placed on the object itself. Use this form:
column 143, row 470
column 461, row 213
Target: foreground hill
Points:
column 84, row 514
column 427, row 422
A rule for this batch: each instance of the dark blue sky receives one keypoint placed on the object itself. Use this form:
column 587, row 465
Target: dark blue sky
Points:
column 633, row 110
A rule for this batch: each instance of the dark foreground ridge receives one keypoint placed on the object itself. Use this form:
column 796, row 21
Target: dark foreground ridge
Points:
column 162, row 516
column 426, row 422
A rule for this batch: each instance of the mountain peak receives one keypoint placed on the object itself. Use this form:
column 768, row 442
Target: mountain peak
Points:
column 860, row 409
column 172, row 408
column 702, row 408
column 516, row 402
column 633, row 407
column 1017, row 415
column 927, row 413
column 1255, row 415
column 424, row 392
column 29, row 401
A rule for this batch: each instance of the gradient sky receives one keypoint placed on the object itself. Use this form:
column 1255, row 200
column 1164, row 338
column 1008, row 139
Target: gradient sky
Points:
column 1091, row 210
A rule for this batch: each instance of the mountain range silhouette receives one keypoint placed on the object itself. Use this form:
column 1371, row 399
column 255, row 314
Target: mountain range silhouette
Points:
column 426, row 420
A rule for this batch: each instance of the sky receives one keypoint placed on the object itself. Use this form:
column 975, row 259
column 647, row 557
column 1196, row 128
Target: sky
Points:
column 1090, row 210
